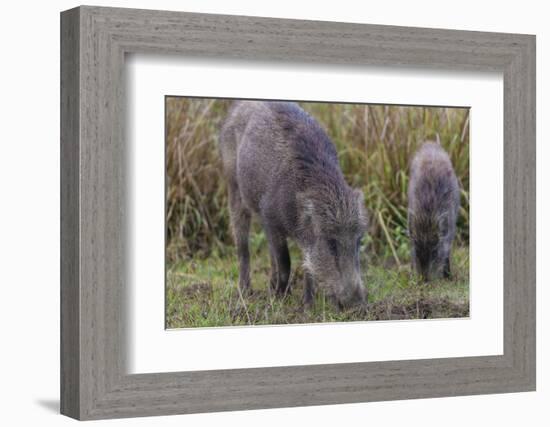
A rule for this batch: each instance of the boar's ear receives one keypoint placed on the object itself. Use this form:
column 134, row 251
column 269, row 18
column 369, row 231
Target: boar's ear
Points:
column 410, row 222
column 360, row 198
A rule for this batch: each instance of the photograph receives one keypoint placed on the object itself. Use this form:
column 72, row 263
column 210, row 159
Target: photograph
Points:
column 282, row 212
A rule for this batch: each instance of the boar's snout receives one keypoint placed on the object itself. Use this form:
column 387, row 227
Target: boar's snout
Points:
column 352, row 296
column 423, row 268
column 429, row 264
column 337, row 272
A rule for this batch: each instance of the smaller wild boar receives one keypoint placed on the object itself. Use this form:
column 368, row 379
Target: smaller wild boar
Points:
column 434, row 200
column 281, row 166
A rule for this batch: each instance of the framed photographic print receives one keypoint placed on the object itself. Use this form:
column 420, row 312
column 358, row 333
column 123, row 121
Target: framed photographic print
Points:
column 261, row 213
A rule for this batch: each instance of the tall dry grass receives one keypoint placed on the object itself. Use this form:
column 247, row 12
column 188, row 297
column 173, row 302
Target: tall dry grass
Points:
column 375, row 144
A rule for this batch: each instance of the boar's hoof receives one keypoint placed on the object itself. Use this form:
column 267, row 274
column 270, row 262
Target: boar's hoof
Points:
column 308, row 303
column 283, row 292
column 245, row 289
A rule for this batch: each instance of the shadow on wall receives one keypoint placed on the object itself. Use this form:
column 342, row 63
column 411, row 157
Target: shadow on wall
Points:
column 51, row 405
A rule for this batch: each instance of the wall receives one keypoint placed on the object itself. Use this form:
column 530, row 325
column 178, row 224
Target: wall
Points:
column 29, row 225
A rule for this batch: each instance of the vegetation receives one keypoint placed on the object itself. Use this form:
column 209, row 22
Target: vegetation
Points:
column 375, row 144
column 205, row 293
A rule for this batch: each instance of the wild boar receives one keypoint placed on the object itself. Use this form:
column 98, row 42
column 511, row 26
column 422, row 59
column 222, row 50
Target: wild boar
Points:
column 434, row 200
column 282, row 167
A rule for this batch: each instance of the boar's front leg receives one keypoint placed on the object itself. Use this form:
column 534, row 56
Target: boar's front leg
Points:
column 309, row 290
column 240, row 220
column 280, row 261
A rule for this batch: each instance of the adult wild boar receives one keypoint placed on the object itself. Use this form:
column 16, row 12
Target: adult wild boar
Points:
column 434, row 200
column 281, row 166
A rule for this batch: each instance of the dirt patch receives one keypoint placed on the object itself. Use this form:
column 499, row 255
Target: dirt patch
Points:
column 421, row 309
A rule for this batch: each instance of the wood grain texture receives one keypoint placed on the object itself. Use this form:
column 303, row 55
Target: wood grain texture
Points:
column 70, row 259
column 94, row 269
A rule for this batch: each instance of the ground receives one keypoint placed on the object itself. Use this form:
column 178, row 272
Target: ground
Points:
column 203, row 292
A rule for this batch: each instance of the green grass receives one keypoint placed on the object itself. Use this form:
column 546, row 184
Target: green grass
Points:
column 375, row 144
column 204, row 293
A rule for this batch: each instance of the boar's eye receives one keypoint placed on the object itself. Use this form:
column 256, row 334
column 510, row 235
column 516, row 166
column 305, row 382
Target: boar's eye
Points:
column 333, row 246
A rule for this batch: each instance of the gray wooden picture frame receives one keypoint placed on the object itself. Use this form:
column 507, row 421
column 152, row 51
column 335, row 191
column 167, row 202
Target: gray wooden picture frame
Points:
column 94, row 382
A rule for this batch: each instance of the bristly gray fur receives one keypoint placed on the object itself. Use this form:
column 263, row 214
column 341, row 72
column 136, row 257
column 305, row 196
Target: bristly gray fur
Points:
column 281, row 166
column 434, row 200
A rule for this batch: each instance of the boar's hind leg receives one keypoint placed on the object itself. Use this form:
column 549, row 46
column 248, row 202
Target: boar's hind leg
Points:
column 447, row 268
column 240, row 220
column 280, row 261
